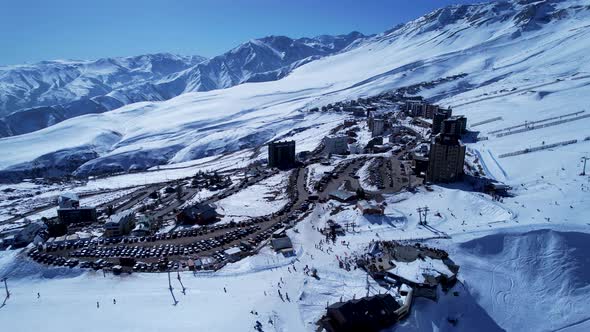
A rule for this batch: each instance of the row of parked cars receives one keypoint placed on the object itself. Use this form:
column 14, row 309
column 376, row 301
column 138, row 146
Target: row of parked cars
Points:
column 68, row 245
column 159, row 266
column 329, row 176
column 375, row 175
column 166, row 250
column 44, row 258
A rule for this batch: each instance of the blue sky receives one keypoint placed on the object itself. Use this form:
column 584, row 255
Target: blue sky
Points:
column 32, row 31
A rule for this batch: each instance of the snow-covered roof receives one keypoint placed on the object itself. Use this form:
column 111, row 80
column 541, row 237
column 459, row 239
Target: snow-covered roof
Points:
column 416, row 270
column 233, row 251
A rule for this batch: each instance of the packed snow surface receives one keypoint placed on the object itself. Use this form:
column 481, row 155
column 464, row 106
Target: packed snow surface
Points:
column 523, row 259
column 258, row 200
column 522, row 55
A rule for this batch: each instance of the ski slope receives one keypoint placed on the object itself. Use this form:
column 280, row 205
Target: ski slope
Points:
column 524, row 264
column 496, row 54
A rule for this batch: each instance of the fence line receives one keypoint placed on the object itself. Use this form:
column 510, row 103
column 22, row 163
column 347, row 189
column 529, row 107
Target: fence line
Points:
column 486, row 121
column 535, row 122
column 550, row 124
column 538, row 148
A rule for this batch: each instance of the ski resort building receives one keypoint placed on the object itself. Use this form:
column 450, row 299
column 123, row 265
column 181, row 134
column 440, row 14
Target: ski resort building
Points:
column 447, row 156
column 369, row 208
column 342, row 195
column 455, row 125
column 200, row 214
column 74, row 215
column 143, row 226
column 68, row 201
column 22, row 236
column 233, row 254
column 373, row 313
column 376, row 126
column 281, row 154
column 417, row 108
column 438, row 118
column 120, row 224
column 336, row 144
column 283, row 245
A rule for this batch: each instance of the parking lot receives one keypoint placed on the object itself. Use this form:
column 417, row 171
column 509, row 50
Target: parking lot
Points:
column 171, row 250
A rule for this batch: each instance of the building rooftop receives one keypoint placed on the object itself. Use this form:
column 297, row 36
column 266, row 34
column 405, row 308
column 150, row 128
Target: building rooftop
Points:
column 368, row 313
column 281, row 243
column 341, row 136
column 367, row 205
column 233, row 251
column 116, row 219
column 342, row 195
column 78, row 208
column 205, row 210
column 281, row 143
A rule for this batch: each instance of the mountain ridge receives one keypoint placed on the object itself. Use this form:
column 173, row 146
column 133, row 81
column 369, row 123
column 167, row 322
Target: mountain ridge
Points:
column 49, row 92
column 501, row 55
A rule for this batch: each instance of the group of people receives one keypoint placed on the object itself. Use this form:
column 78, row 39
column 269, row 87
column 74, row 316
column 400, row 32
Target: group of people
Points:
column 98, row 303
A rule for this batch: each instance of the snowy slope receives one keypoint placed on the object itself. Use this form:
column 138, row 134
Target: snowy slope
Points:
column 35, row 96
column 51, row 91
column 524, row 261
column 495, row 44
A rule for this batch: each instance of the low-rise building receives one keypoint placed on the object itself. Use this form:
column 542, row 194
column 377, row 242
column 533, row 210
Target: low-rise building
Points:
column 200, row 214
column 56, row 227
column 205, row 263
column 349, row 123
column 283, row 245
column 342, row 195
column 367, row 207
column 120, row 224
column 373, row 313
column 68, row 201
column 420, row 164
column 233, row 254
column 396, row 129
column 20, row 237
column 144, row 226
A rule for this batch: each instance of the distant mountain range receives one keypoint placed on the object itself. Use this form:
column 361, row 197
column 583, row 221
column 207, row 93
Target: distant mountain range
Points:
column 530, row 57
column 36, row 96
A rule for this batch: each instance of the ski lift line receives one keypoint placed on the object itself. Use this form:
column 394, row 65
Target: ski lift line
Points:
column 537, row 148
column 537, row 121
column 550, row 124
column 498, row 118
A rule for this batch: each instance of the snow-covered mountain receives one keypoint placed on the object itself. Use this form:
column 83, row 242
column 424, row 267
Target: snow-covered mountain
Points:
column 61, row 81
column 257, row 60
column 39, row 95
column 36, row 96
column 533, row 51
column 523, row 258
